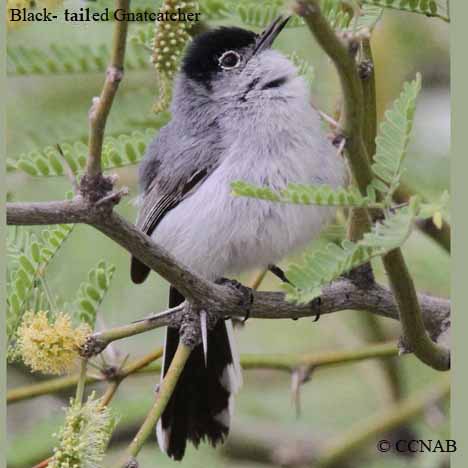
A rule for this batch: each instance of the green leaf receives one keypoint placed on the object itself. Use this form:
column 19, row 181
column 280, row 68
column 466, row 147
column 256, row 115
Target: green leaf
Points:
column 430, row 209
column 124, row 150
column 433, row 8
column 321, row 267
column 299, row 194
column 392, row 141
column 29, row 257
column 367, row 18
column 72, row 58
column 91, row 293
column 257, row 14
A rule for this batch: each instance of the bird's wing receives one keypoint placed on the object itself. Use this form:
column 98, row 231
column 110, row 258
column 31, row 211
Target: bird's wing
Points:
column 157, row 200
column 160, row 198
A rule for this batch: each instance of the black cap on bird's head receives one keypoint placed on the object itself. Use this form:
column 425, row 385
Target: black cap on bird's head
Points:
column 226, row 48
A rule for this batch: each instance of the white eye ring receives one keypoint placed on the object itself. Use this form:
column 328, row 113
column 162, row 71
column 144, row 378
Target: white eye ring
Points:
column 226, row 54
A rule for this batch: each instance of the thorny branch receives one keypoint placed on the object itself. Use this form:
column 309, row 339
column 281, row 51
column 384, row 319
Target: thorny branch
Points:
column 95, row 200
column 146, row 364
column 401, row 282
column 102, row 105
column 360, row 293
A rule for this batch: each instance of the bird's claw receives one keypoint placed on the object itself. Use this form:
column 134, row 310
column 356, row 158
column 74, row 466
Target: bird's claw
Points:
column 247, row 295
column 316, row 303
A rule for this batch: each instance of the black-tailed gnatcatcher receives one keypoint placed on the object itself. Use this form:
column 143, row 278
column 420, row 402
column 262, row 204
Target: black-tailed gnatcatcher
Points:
column 239, row 112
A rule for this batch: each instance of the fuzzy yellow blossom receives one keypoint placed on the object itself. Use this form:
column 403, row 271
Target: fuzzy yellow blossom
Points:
column 48, row 345
column 170, row 40
column 85, row 435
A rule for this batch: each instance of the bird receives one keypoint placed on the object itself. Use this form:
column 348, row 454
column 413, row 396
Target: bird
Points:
column 240, row 111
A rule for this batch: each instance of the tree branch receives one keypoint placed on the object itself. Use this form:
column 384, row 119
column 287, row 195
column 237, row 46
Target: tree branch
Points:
column 367, row 430
column 401, row 282
column 164, row 394
column 94, row 206
column 64, row 383
column 359, row 219
column 343, row 294
column 101, row 108
column 146, row 365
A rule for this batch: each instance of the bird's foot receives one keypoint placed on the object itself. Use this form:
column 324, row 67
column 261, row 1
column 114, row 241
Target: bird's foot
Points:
column 316, row 303
column 247, row 295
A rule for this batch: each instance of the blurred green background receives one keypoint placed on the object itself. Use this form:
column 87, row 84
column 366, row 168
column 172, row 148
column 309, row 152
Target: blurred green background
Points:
column 44, row 110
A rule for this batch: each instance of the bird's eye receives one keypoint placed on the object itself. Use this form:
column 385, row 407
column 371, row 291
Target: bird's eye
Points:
column 230, row 60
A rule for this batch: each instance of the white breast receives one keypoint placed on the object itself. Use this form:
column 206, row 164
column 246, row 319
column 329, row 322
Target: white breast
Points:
column 216, row 233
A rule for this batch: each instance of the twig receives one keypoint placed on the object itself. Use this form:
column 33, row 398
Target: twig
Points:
column 359, row 219
column 100, row 111
column 366, row 431
column 81, row 382
column 100, row 340
column 43, row 463
column 283, row 362
column 401, row 282
column 125, row 372
column 44, row 388
column 68, row 170
column 290, row 362
column 63, row 383
column 112, row 388
column 341, row 295
column 258, row 279
column 110, row 392
column 164, row 394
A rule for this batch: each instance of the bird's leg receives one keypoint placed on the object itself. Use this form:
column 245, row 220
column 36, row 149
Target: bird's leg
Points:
column 279, row 273
column 247, row 294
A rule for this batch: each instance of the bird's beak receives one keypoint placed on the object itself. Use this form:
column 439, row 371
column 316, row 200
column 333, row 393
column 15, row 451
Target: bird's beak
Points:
column 267, row 37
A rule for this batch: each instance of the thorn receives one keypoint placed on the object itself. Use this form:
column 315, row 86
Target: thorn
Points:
column 300, row 376
column 113, row 197
column 339, row 141
column 68, row 170
column 166, row 313
column 330, row 120
column 204, row 333
column 124, row 361
column 295, row 392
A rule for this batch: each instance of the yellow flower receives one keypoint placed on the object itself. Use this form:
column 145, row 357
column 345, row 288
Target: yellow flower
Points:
column 50, row 346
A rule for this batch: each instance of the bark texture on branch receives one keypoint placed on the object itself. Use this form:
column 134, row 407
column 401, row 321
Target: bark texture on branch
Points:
column 357, row 293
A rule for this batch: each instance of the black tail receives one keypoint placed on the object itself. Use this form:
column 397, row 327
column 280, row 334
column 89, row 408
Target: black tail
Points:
column 200, row 406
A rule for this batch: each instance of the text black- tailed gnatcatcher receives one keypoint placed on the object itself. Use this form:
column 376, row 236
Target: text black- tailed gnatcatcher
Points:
column 239, row 112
